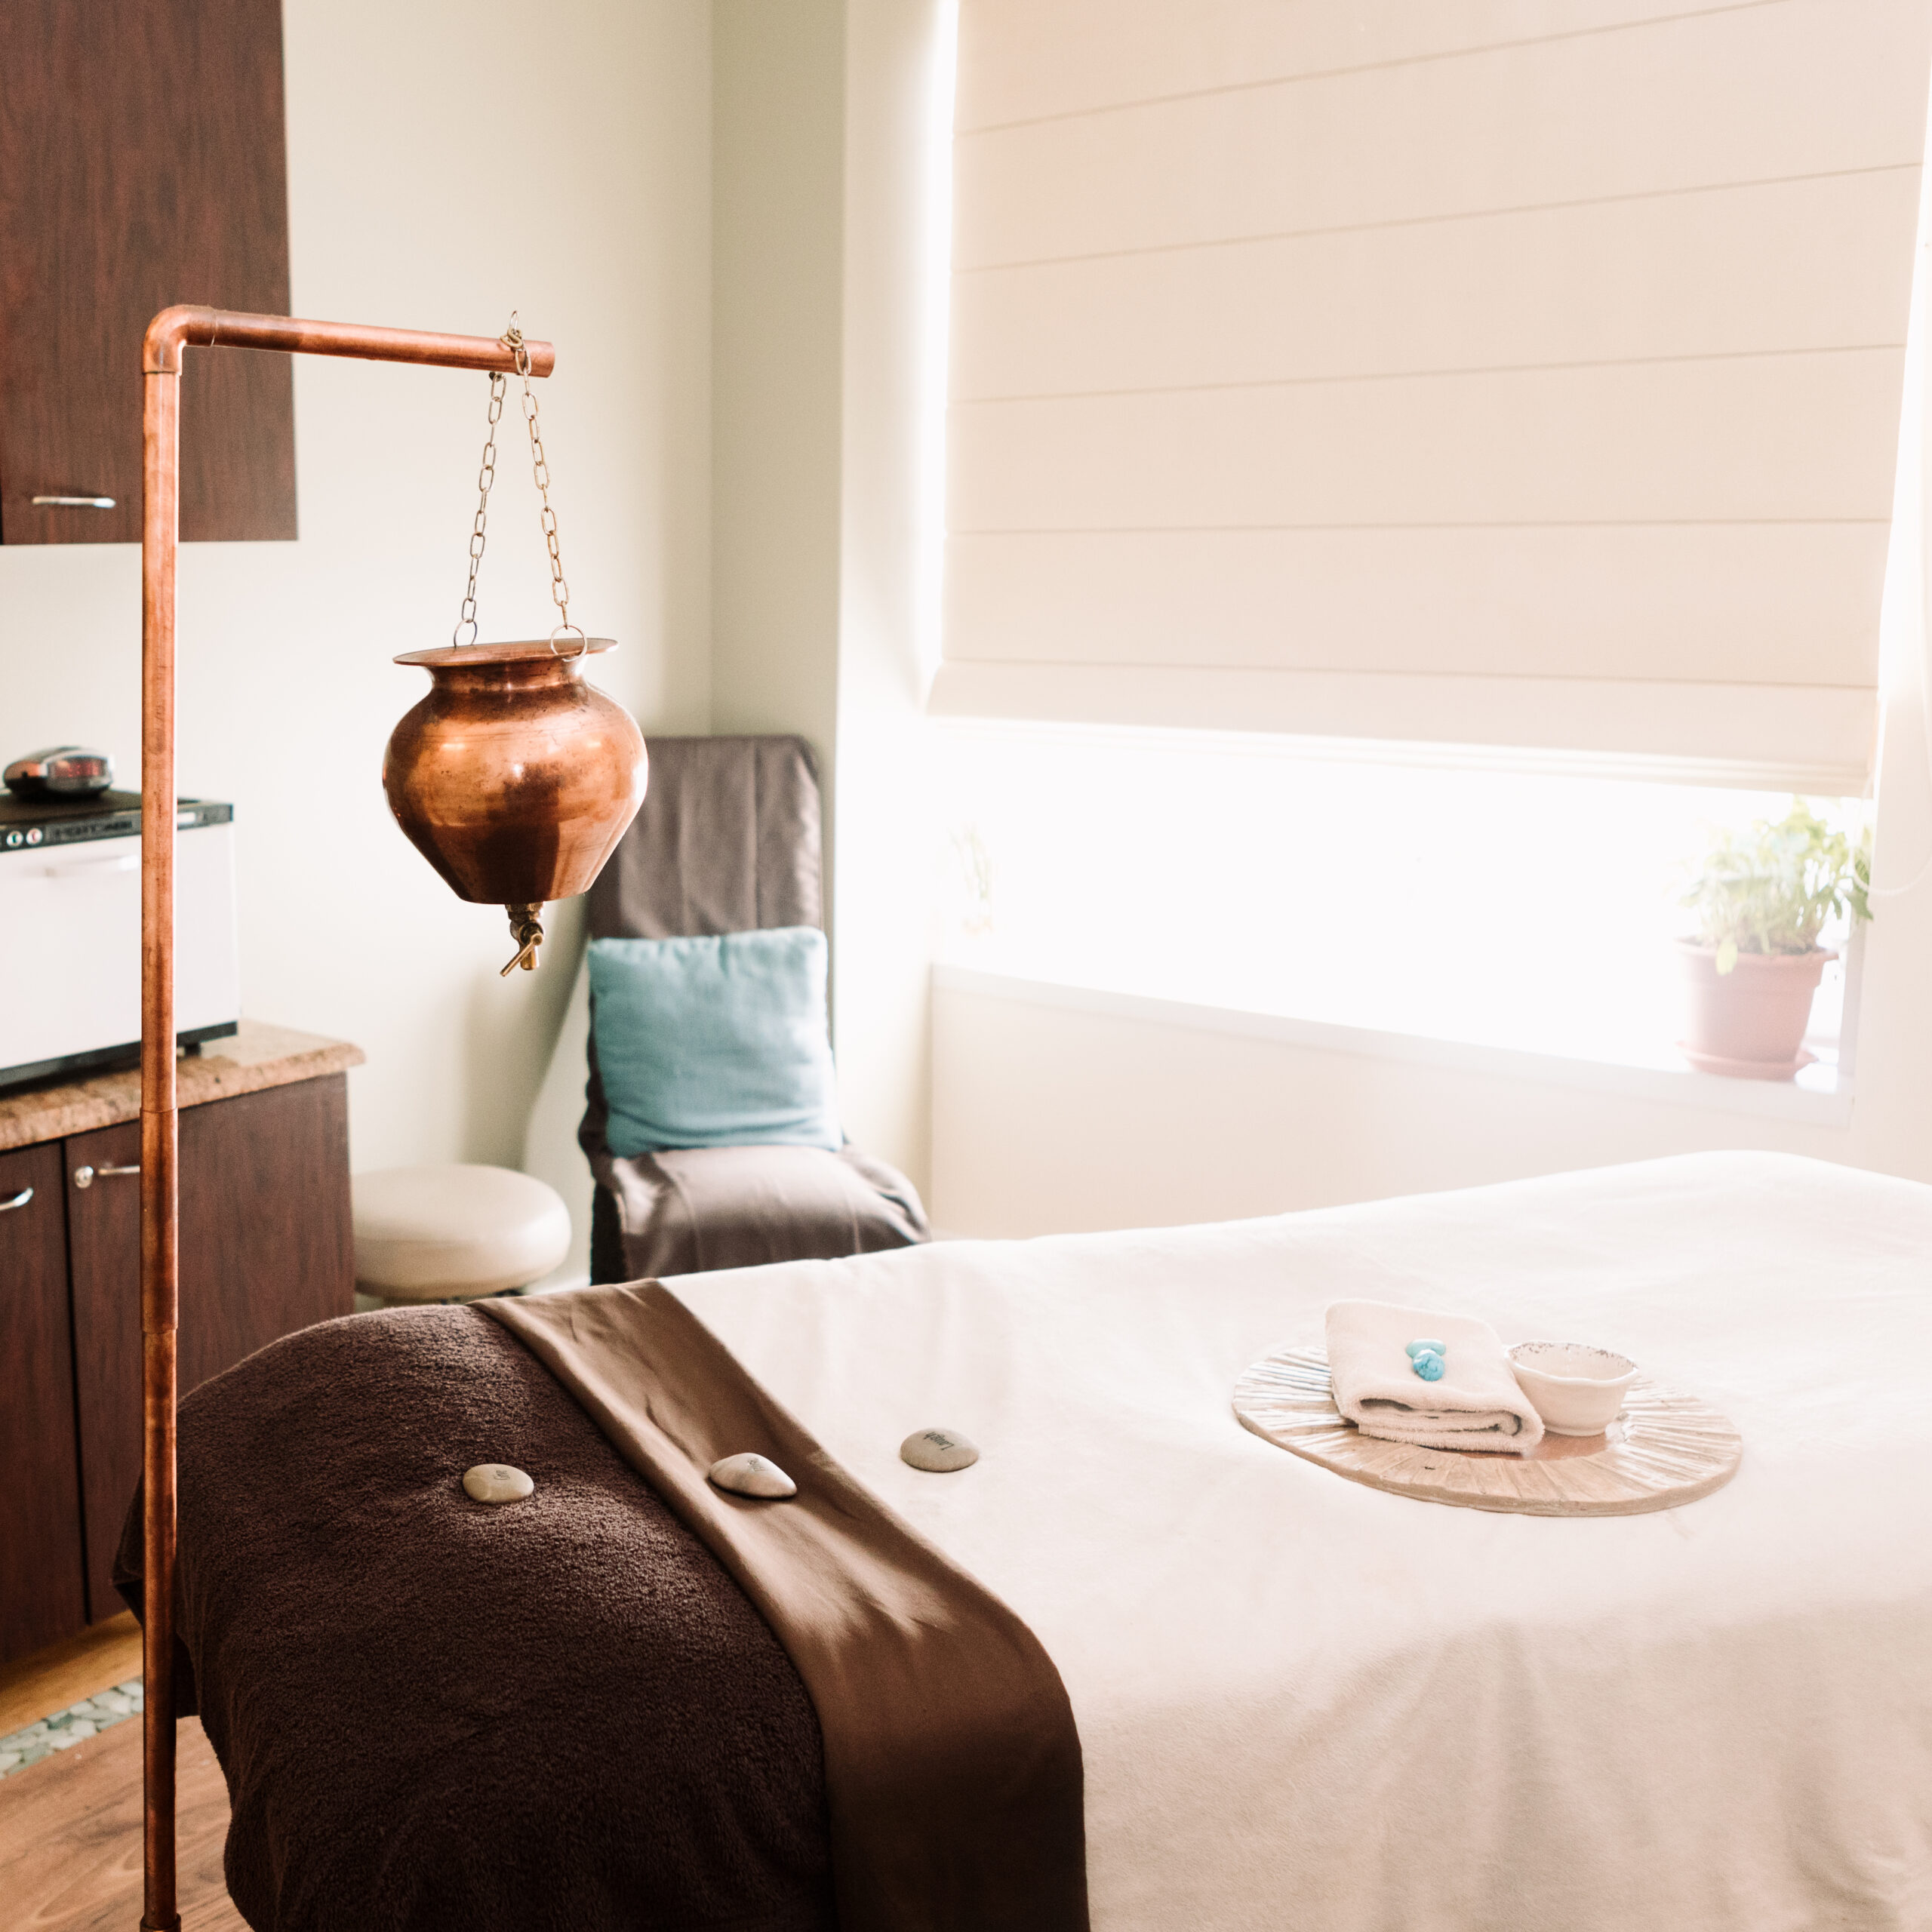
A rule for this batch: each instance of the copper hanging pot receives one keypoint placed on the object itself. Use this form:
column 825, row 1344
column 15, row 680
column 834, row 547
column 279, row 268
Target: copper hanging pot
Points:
column 513, row 777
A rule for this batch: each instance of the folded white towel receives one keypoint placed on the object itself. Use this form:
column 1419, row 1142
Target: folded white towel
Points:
column 1476, row 1405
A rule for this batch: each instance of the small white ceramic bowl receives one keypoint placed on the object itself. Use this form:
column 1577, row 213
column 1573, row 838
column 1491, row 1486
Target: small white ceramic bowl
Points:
column 1576, row 1390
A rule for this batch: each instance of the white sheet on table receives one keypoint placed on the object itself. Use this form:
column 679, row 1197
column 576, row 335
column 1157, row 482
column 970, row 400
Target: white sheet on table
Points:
column 1307, row 1704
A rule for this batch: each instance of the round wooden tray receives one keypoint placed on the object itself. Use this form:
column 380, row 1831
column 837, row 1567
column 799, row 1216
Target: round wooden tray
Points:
column 1664, row 1450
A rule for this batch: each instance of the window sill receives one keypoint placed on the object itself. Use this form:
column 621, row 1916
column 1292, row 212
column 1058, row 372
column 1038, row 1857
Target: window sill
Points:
column 1815, row 1104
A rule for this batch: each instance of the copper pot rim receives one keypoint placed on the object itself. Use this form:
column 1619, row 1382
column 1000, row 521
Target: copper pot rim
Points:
column 520, row 650
column 1695, row 950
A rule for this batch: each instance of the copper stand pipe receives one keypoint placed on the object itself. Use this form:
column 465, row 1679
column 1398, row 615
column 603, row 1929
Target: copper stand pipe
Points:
column 168, row 334
column 160, row 494
column 174, row 330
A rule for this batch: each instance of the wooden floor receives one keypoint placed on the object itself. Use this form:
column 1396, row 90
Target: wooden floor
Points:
column 70, row 1826
column 36, row 1686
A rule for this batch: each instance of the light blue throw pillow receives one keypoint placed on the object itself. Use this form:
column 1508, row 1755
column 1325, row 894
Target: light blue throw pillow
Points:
column 717, row 1042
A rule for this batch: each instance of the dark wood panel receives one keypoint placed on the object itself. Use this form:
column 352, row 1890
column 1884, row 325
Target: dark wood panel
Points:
column 143, row 162
column 41, row 1599
column 267, row 1244
column 267, row 1247
column 104, row 1262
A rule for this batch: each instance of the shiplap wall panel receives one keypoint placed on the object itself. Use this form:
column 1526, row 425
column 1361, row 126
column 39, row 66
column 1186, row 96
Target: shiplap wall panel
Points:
column 1028, row 60
column 1803, row 737
column 1802, row 87
column 1638, row 600
column 1349, row 361
column 1784, row 438
column 1754, row 268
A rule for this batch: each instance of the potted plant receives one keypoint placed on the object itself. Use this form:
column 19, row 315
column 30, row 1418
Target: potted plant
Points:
column 1761, row 896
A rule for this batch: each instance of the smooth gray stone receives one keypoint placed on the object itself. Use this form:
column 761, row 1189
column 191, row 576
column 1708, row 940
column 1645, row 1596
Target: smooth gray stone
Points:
column 752, row 1474
column 939, row 1449
column 495, row 1482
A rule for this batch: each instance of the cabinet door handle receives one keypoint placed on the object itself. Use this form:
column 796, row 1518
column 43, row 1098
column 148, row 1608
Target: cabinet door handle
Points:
column 87, row 1176
column 19, row 1200
column 73, row 503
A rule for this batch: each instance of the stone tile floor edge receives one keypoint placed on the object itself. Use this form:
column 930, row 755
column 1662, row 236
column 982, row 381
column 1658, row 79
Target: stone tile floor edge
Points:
column 65, row 1729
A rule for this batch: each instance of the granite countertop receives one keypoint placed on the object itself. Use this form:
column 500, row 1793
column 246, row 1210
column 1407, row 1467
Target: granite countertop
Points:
column 259, row 1055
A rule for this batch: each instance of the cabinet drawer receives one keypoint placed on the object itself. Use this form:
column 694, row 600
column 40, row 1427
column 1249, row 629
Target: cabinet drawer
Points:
column 41, row 1598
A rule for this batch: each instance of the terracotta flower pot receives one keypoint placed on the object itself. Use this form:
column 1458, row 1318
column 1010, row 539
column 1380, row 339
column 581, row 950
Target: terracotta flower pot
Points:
column 1749, row 1022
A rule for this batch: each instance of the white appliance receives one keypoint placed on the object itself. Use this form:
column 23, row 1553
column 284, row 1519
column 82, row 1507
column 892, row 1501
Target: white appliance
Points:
column 70, row 931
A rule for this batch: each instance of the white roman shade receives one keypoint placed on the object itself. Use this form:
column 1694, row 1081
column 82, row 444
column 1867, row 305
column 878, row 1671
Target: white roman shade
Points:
column 1507, row 372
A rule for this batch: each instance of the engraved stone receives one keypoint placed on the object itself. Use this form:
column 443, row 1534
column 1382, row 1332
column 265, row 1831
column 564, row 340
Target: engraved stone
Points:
column 752, row 1474
column 939, row 1450
column 495, row 1482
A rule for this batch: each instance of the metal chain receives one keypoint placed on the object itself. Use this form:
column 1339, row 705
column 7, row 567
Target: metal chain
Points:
column 560, row 592
column 485, row 476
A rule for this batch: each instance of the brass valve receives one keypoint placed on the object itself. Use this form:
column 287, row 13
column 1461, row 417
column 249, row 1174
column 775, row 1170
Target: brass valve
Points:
column 527, row 929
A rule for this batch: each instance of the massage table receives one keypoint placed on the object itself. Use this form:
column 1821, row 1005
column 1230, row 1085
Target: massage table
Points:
column 1299, row 1702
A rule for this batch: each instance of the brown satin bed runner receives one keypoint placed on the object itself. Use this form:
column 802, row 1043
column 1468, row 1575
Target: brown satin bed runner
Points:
column 952, row 1765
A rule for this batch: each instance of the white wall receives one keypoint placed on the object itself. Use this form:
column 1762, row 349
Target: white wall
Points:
column 778, row 317
column 822, row 407
column 822, row 412
column 448, row 160
column 897, row 130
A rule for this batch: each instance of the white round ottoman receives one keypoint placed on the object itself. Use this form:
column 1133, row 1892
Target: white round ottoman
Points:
column 451, row 1232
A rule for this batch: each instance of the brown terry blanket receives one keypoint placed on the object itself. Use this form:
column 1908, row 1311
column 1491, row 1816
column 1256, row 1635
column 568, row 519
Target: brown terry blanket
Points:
column 953, row 1764
column 437, row 1713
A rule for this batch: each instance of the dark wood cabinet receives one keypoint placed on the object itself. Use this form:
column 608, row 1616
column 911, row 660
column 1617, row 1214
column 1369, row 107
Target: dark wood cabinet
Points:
column 41, row 1587
column 143, row 162
column 267, row 1247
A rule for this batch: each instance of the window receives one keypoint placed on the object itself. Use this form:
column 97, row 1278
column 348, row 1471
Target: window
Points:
column 1514, row 908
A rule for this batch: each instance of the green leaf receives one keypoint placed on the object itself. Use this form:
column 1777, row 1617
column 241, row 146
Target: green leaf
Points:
column 1728, row 956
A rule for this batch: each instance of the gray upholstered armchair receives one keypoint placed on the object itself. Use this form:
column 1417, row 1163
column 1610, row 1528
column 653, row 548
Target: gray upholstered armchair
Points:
column 728, row 841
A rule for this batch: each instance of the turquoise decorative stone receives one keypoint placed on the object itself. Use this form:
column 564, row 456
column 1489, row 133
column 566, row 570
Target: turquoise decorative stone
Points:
column 1434, row 1348
column 1428, row 1364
